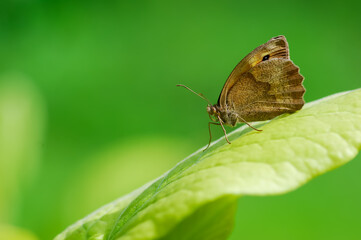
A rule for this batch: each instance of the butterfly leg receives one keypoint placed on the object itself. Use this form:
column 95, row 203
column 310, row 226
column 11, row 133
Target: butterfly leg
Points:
column 249, row 124
column 224, row 130
column 210, row 133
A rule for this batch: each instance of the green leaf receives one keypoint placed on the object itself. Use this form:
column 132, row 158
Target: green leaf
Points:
column 197, row 197
column 213, row 220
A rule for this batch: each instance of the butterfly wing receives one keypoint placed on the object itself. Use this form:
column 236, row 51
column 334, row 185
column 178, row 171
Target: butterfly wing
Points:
column 276, row 47
column 267, row 90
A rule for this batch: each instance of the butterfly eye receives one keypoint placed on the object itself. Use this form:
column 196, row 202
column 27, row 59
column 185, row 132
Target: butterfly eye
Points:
column 265, row 58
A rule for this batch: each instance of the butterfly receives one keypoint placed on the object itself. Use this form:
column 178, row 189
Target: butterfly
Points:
column 265, row 84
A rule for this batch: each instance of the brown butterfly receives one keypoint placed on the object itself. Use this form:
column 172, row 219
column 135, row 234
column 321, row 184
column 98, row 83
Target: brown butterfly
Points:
column 265, row 84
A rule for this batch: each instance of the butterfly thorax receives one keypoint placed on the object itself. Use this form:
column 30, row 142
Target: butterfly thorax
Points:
column 218, row 113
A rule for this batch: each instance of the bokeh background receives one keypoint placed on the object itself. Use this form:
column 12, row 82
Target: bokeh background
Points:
column 89, row 109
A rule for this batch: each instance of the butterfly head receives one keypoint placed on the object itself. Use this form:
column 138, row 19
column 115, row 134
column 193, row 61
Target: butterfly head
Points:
column 213, row 111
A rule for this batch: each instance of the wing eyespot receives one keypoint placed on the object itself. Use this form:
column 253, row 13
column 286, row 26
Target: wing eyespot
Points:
column 265, row 57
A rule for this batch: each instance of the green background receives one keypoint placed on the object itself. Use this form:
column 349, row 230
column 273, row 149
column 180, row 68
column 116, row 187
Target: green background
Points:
column 89, row 109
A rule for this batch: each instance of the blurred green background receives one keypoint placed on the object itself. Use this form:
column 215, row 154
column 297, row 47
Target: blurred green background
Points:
column 89, row 109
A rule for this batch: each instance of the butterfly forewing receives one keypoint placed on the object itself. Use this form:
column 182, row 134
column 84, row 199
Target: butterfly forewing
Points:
column 276, row 47
column 263, row 85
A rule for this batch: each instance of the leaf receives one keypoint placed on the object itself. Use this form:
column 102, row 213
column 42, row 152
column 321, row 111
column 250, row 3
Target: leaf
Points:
column 213, row 220
column 107, row 167
column 289, row 151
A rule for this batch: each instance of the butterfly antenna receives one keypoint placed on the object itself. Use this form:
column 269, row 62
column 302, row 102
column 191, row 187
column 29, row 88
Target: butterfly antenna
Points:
column 199, row 94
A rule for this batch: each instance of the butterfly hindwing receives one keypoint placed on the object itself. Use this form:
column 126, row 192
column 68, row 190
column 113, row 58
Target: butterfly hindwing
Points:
column 267, row 90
